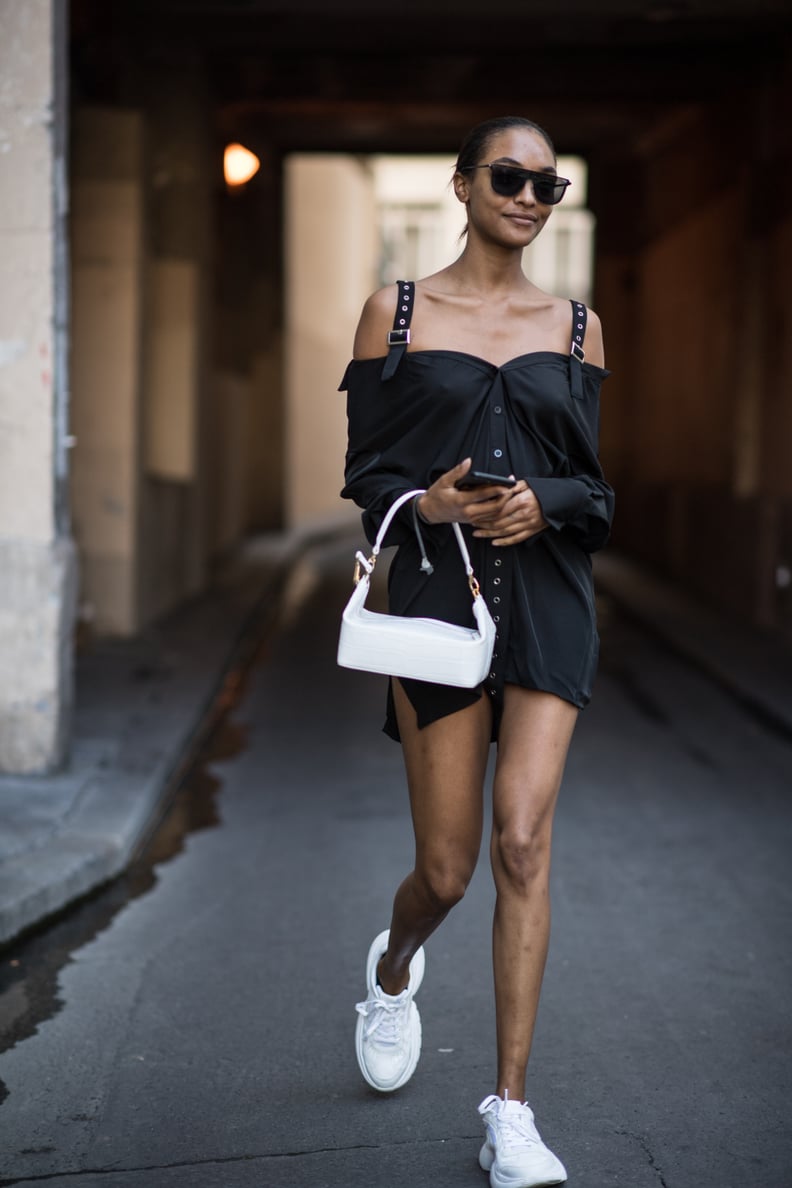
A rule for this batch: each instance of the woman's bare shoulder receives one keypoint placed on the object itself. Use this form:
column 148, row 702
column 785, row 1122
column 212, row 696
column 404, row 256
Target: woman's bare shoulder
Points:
column 592, row 344
column 376, row 319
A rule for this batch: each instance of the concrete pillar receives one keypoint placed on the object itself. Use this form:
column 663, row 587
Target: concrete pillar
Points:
column 176, row 521
column 107, row 275
column 37, row 560
column 329, row 276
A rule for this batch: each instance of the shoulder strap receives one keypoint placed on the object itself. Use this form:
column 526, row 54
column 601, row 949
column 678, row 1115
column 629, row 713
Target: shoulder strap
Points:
column 399, row 336
column 576, row 353
column 579, row 315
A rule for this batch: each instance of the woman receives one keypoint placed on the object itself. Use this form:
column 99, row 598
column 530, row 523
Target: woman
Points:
column 483, row 370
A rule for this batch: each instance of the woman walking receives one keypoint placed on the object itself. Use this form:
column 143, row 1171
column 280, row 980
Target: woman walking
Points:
column 475, row 368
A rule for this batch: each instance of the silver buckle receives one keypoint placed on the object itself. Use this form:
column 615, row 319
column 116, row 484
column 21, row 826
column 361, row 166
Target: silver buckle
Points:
column 399, row 337
column 578, row 352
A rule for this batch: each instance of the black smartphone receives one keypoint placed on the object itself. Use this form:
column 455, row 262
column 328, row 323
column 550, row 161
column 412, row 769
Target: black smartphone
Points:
column 479, row 478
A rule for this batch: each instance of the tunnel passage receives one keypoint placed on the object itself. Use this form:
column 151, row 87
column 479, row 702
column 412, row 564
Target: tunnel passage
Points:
column 674, row 107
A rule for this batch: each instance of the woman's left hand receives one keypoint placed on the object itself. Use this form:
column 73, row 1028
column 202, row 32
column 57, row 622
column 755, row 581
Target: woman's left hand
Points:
column 518, row 519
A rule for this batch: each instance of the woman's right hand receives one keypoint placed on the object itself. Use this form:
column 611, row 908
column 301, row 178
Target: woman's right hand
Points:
column 444, row 503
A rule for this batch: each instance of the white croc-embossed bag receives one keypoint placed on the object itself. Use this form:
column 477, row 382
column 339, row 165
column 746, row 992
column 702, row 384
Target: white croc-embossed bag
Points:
column 423, row 649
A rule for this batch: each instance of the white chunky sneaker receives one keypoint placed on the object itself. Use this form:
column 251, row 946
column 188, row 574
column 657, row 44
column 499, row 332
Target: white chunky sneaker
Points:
column 514, row 1155
column 388, row 1031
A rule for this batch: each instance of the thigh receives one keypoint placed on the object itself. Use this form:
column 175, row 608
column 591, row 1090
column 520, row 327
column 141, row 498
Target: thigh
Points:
column 535, row 733
column 446, row 763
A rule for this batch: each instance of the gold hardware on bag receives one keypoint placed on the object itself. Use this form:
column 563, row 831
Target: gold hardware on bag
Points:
column 357, row 574
column 475, row 588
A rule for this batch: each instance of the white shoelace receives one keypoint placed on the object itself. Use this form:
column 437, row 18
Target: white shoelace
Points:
column 386, row 1018
column 516, row 1129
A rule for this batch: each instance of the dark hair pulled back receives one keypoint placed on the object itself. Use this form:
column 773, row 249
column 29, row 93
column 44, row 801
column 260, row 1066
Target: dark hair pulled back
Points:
column 474, row 146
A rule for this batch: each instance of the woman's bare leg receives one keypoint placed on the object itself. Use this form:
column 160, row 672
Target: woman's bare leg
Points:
column 446, row 764
column 534, row 739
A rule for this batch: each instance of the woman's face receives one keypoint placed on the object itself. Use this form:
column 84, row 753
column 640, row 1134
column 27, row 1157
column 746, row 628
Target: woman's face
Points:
column 513, row 221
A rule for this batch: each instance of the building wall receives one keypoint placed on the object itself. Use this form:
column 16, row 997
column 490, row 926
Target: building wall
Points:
column 37, row 560
column 697, row 418
column 331, row 258
column 248, row 347
column 143, row 387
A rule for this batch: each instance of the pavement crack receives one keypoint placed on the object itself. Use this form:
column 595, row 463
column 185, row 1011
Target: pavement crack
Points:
column 230, row 1159
column 644, row 1145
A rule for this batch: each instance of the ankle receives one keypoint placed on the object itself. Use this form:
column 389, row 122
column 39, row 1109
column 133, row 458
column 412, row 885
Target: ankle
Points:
column 392, row 983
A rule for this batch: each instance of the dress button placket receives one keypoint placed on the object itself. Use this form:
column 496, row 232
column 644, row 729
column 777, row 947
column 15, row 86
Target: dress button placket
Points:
column 497, row 566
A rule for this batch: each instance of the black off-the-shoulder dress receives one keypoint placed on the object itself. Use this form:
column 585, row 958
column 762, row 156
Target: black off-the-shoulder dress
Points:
column 537, row 417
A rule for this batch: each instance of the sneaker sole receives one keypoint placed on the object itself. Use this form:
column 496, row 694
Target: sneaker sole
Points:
column 497, row 1180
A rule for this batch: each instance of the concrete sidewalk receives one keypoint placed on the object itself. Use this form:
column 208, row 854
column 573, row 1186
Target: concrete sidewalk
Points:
column 143, row 706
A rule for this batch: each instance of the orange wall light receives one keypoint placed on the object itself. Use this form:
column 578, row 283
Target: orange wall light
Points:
column 239, row 164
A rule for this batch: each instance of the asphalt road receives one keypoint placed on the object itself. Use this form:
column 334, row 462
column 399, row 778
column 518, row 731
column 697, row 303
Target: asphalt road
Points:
column 192, row 1026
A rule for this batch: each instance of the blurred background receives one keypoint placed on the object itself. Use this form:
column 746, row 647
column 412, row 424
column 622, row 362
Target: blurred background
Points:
column 176, row 313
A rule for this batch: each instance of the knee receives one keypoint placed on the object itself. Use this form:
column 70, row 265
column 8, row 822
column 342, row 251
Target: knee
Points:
column 444, row 885
column 521, row 858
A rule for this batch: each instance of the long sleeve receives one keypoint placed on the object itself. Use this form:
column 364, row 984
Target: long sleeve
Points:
column 381, row 459
column 374, row 489
column 582, row 505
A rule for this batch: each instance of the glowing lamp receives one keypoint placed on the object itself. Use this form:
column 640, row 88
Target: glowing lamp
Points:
column 239, row 164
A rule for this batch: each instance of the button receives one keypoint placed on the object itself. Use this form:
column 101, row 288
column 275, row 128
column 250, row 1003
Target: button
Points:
column 498, row 453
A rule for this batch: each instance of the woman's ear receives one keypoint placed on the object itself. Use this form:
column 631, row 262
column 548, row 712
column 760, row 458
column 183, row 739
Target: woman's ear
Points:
column 461, row 187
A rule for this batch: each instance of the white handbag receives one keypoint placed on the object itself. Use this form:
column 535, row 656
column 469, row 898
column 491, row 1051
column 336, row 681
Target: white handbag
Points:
column 424, row 649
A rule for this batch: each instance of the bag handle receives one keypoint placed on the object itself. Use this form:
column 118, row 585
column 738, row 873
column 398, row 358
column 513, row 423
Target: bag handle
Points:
column 368, row 563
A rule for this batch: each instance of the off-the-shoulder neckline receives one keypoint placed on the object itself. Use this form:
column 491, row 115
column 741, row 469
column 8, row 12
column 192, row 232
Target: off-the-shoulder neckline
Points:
column 484, row 362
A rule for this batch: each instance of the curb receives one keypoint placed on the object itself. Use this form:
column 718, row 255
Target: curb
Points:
column 115, row 801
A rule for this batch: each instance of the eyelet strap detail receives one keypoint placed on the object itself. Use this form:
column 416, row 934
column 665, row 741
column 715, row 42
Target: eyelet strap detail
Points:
column 577, row 354
column 399, row 336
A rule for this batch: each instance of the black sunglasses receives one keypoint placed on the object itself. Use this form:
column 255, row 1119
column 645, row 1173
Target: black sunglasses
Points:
column 508, row 180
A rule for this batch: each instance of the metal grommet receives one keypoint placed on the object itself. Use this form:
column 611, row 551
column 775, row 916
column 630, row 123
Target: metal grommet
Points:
column 498, row 453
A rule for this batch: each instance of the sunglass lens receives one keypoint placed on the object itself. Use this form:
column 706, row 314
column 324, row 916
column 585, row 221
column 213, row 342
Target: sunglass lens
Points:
column 507, row 181
column 547, row 191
